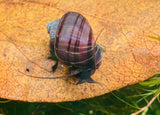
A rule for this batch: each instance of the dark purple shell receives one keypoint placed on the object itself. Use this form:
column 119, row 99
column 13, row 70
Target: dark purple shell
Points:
column 74, row 42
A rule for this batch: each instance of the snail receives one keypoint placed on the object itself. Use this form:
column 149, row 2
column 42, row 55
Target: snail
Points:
column 72, row 41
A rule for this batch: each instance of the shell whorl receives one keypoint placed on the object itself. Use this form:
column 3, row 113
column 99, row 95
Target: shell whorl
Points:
column 74, row 41
column 52, row 27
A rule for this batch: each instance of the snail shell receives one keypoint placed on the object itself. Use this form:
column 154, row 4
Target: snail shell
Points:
column 73, row 42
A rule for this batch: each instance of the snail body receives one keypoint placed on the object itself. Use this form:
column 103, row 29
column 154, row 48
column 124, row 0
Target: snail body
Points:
column 73, row 43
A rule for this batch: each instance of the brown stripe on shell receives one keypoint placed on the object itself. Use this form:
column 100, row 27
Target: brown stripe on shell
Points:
column 76, row 46
column 69, row 43
column 70, row 39
column 77, row 43
column 60, row 26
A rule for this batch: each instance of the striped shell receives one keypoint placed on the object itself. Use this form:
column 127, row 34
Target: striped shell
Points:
column 74, row 43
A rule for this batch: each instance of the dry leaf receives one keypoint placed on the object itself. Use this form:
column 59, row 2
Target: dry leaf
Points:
column 129, row 27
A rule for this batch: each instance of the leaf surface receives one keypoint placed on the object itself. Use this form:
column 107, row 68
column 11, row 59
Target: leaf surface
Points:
column 130, row 29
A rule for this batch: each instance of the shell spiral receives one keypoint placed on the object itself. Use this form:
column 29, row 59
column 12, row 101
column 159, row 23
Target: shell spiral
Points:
column 74, row 42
